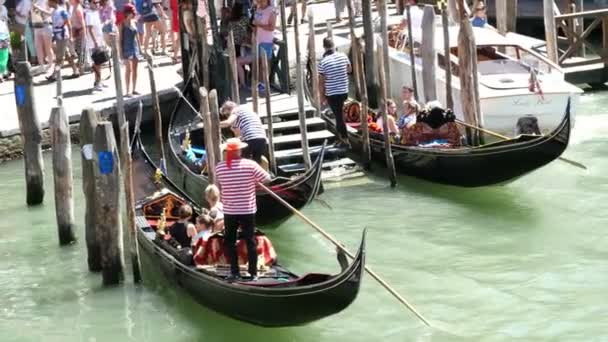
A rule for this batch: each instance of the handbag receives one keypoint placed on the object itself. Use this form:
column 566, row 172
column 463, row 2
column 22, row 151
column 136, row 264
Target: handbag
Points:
column 100, row 56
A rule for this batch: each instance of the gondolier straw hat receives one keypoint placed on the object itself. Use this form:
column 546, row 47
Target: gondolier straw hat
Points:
column 233, row 144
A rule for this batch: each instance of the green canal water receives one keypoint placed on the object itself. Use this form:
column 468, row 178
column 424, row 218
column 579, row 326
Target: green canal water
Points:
column 526, row 261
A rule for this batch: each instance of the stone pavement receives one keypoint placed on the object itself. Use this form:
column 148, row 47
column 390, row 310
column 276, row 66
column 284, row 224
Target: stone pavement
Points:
column 78, row 94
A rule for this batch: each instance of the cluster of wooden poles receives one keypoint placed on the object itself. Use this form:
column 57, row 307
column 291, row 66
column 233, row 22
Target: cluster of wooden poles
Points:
column 103, row 159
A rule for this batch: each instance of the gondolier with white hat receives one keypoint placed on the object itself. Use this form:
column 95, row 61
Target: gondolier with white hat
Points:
column 237, row 178
column 249, row 126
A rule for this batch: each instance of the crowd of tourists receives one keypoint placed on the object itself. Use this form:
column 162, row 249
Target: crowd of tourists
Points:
column 48, row 33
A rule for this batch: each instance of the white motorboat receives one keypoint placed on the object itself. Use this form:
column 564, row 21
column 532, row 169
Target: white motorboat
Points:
column 504, row 73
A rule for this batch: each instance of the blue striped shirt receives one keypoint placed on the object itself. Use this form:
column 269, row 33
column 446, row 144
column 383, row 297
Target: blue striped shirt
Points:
column 335, row 70
column 249, row 124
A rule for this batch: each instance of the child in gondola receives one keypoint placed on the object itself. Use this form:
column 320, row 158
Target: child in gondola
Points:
column 216, row 208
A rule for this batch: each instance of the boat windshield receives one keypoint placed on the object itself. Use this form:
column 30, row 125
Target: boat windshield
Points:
column 507, row 59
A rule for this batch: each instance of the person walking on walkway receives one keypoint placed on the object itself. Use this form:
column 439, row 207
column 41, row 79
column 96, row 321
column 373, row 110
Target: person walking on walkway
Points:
column 333, row 84
column 130, row 48
column 62, row 36
column 264, row 22
column 43, row 33
column 237, row 178
column 248, row 125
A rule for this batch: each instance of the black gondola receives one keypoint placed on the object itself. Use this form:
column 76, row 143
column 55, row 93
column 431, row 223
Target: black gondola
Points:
column 495, row 163
column 279, row 298
column 297, row 191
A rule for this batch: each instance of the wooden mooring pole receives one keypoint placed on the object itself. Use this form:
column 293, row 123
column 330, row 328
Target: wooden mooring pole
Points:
column 107, row 204
column 312, row 57
column 428, row 54
column 127, row 178
column 31, row 134
column 367, row 157
column 158, row 120
column 120, row 103
column 449, row 98
column 550, row 31
column 370, row 59
column 355, row 48
column 233, row 69
column 411, row 48
column 300, row 89
column 88, row 123
column 216, row 130
column 467, row 52
column 270, row 130
column 506, row 16
column 62, row 175
column 383, row 12
column 205, row 113
column 255, row 73
column 390, row 162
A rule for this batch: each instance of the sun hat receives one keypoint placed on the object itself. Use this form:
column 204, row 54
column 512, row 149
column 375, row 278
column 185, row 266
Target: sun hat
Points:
column 233, row 144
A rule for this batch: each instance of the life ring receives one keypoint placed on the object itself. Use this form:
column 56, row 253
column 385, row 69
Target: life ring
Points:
column 352, row 112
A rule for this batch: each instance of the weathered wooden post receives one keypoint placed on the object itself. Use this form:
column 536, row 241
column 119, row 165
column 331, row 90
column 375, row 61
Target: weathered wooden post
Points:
column 367, row 157
column 355, row 48
column 412, row 55
column 204, row 55
column 449, row 99
column 390, row 163
column 550, row 31
column 270, row 131
column 329, row 27
column 59, row 85
column 158, row 120
column 206, row 116
column 467, row 67
column 285, row 50
column 370, row 59
column 255, row 72
column 216, row 131
column 88, row 124
column 120, row 104
column 62, row 175
column 312, row 55
column 30, row 134
column 428, row 54
column 506, row 16
column 381, row 5
column 579, row 6
column 130, row 201
column 300, row 89
column 107, row 204
column 234, row 74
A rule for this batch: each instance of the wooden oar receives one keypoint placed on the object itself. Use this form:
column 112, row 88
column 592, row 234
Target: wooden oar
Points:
column 343, row 249
column 504, row 137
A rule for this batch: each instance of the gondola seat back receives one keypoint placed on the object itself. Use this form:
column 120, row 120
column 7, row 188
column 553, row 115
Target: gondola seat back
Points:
column 214, row 252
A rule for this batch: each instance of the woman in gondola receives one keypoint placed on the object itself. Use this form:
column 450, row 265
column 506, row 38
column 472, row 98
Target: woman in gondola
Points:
column 391, row 111
column 183, row 230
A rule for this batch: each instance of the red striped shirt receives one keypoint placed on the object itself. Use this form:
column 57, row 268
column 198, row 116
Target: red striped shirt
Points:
column 237, row 185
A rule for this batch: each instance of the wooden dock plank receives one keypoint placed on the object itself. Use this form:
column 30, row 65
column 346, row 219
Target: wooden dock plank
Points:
column 294, row 138
column 295, row 124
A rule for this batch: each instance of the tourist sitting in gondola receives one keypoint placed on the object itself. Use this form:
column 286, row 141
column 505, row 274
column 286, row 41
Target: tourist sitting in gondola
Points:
column 183, row 230
column 195, row 158
column 391, row 111
column 408, row 117
column 216, row 208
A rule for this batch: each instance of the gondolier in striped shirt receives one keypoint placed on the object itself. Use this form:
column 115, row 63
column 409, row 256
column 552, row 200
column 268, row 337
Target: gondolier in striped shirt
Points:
column 237, row 178
column 248, row 125
column 333, row 84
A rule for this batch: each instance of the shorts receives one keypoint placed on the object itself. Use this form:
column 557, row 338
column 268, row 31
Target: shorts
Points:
column 267, row 47
column 61, row 48
column 140, row 26
column 152, row 17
